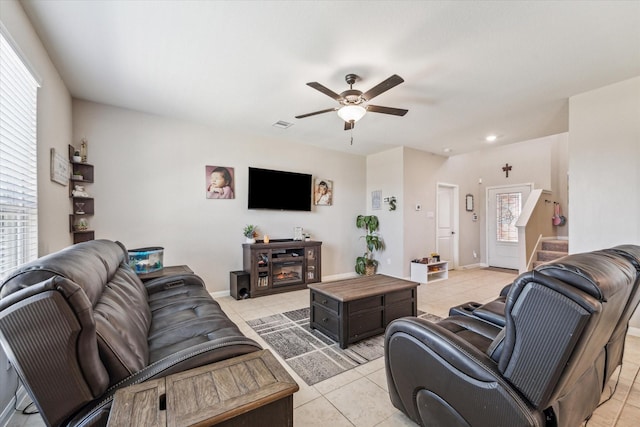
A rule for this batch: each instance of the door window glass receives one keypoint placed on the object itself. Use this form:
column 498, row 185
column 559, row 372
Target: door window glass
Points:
column 509, row 206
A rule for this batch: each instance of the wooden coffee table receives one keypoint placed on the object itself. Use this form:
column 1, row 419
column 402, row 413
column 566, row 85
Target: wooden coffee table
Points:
column 354, row 309
column 252, row 389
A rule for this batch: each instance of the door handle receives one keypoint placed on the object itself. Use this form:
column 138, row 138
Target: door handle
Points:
column 453, row 232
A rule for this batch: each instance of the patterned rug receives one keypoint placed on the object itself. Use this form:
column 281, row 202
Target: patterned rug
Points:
column 311, row 354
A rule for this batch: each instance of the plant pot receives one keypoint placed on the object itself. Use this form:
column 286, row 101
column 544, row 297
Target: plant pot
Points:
column 369, row 270
column 250, row 240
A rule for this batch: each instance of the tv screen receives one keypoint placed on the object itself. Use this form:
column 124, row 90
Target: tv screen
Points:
column 271, row 189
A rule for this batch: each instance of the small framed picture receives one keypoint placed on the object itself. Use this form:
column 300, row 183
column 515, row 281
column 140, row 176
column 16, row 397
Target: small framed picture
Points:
column 60, row 168
column 376, row 200
column 322, row 192
column 220, row 182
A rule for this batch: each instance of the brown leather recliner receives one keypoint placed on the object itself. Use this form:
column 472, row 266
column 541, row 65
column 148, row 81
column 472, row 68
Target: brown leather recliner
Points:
column 546, row 366
column 78, row 325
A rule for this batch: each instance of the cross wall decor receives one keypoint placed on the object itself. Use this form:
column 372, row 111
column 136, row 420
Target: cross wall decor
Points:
column 506, row 168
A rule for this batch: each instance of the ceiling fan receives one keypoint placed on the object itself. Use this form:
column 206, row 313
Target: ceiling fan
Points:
column 354, row 104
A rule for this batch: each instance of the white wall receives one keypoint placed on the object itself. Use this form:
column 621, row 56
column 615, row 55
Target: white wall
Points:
column 385, row 173
column 54, row 131
column 421, row 171
column 604, row 168
column 150, row 185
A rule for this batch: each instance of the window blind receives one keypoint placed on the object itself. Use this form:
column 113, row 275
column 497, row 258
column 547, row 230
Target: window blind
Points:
column 18, row 161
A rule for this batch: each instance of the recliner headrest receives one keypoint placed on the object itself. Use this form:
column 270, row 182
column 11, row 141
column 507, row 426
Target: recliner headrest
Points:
column 600, row 273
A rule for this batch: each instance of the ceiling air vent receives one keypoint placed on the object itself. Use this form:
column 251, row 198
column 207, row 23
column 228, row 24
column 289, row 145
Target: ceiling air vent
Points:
column 282, row 124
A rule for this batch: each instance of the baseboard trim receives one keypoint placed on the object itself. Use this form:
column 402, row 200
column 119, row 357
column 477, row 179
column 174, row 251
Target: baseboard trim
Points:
column 470, row 266
column 633, row 331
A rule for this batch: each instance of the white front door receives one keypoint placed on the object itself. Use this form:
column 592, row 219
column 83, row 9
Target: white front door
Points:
column 446, row 224
column 504, row 205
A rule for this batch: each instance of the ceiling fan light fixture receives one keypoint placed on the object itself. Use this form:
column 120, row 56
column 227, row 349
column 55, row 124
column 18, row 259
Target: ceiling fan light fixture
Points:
column 351, row 113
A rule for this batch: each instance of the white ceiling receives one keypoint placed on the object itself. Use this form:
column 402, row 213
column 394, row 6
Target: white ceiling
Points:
column 470, row 68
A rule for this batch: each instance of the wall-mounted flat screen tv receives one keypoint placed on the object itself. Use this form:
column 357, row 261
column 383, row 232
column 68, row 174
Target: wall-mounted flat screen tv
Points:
column 272, row 189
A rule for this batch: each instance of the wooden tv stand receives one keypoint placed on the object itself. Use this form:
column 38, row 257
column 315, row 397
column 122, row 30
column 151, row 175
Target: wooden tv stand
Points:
column 281, row 265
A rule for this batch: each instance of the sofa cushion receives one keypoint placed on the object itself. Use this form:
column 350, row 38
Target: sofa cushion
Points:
column 123, row 317
column 185, row 316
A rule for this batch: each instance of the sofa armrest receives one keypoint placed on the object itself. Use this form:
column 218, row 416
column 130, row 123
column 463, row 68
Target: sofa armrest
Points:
column 432, row 372
column 175, row 281
column 196, row 356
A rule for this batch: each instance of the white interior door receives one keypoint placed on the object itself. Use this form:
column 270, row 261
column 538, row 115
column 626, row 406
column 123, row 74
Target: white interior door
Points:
column 446, row 224
column 504, row 205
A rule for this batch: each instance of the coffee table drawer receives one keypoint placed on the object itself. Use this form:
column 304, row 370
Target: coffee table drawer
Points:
column 366, row 304
column 325, row 320
column 365, row 325
column 324, row 301
column 397, row 311
column 394, row 297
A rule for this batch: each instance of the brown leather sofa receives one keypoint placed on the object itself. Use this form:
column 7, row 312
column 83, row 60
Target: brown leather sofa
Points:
column 545, row 364
column 78, row 325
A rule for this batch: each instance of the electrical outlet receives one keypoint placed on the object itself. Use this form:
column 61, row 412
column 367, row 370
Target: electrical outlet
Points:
column 475, row 255
column 389, row 261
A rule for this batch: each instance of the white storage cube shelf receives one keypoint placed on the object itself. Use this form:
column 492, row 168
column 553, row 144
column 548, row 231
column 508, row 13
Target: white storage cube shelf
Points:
column 426, row 273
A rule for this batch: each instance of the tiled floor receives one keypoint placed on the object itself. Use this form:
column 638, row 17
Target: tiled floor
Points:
column 359, row 397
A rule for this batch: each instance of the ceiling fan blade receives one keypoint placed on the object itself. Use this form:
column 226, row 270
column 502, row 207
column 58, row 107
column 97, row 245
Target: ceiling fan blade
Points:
column 349, row 125
column 325, row 90
column 387, row 110
column 392, row 81
column 302, row 116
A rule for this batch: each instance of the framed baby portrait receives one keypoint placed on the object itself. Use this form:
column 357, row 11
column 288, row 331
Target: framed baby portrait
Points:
column 322, row 192
column 220, row 182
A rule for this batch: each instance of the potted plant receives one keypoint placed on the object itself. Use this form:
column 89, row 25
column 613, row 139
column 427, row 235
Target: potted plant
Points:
column 365, row 264
column 250, row 232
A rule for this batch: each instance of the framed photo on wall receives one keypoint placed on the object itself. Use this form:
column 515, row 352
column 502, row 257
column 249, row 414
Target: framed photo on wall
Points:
column 60, row 168
column 322, row 192
column 220, row 182
column 376, row 200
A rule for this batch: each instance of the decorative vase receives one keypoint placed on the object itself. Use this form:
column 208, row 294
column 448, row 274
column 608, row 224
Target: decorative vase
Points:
column 369, row 270
column 250, row 240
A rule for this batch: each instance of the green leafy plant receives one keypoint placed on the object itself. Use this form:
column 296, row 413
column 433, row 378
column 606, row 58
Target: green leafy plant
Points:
column 373, row 242
column 250, row 231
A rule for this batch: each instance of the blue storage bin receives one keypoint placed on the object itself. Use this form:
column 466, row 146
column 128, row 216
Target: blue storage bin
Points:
column 146, row 260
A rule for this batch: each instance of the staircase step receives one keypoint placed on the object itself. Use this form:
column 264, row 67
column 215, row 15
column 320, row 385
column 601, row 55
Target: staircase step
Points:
column 555, row 245
column 550, row 255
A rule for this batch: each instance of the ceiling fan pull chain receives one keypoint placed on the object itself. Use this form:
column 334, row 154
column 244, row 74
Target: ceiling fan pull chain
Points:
column 352, row 135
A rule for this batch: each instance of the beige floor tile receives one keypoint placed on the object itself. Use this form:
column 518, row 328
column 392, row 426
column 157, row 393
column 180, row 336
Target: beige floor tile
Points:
column 375, row 408
column 338, row 381
column 319, row 413
column 606, row 414
column 397, row 420
column 633, row 398
column 380, row 378
column 304, row 395
column 629, row 417
column 370, row 367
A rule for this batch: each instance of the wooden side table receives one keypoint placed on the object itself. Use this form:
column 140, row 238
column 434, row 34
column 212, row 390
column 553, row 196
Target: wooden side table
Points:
column 245, row 390
column 166, row 271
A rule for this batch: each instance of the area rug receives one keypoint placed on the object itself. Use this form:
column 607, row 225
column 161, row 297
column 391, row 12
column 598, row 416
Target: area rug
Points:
column 311, row 354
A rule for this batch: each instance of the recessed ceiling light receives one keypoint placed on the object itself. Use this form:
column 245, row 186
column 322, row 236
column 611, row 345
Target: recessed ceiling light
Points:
column 282, row 124
column 447, row 150
column 491, row 138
